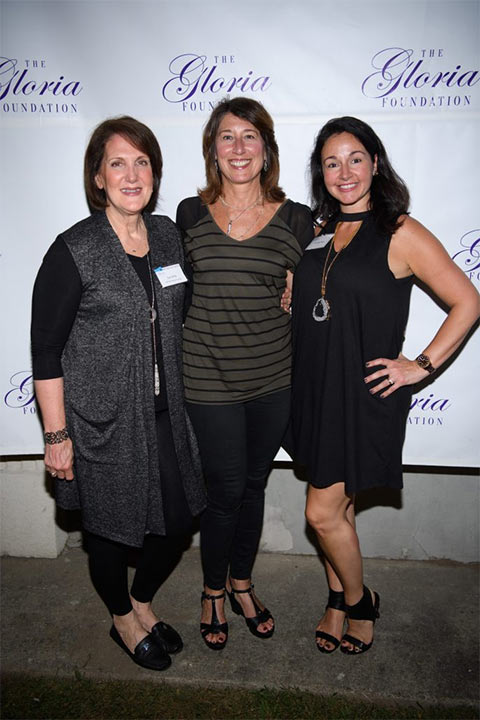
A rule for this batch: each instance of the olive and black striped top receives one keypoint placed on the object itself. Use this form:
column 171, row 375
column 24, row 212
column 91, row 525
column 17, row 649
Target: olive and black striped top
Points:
column 236, row 336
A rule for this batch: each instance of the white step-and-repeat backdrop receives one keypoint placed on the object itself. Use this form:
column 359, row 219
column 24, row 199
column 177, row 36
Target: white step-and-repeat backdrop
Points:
column 410, row 69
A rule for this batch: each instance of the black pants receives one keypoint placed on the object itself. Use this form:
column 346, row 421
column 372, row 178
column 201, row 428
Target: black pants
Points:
column 237, row 445
column 108, row 562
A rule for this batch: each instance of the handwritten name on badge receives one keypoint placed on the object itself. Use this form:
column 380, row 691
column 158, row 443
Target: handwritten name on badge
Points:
column 319, row 242
column 170, row 275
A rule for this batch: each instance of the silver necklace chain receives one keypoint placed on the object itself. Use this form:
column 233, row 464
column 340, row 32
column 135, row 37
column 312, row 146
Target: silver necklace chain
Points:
column 234, row 219
column 153, row 316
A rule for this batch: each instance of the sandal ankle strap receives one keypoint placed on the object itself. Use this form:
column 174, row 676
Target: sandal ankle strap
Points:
column 336, row 600
column 365, row 608
column 242, row 592
column 208, row 596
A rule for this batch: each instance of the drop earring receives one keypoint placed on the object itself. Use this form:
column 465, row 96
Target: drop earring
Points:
column 265, row 165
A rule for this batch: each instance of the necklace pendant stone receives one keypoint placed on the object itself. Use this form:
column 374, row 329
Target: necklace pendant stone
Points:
column 153, row 315
column 321, row 310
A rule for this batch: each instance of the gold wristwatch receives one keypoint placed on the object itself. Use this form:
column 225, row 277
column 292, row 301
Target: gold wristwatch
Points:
column 424, row 362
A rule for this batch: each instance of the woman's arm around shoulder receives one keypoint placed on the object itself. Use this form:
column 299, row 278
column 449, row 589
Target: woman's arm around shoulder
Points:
column 415, row 250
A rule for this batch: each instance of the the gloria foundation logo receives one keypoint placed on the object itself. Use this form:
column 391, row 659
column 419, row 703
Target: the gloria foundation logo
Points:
column 468, row 258
column 426, row 78
column 197, row 82
column 20, row 395
column 428, row 410
column 27, row 86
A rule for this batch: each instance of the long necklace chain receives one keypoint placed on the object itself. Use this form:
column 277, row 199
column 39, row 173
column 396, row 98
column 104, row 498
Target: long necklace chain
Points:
column 234, row 219
column 322, row 304
column 153, row 316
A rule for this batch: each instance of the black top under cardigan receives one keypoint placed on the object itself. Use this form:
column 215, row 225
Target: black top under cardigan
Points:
column 107, row 367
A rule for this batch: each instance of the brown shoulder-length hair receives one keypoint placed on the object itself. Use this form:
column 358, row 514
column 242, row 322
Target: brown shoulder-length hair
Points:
column 140, row 136
column 254, row 113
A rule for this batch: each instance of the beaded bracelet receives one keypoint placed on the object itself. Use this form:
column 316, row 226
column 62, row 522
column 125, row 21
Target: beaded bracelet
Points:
column 54, row 438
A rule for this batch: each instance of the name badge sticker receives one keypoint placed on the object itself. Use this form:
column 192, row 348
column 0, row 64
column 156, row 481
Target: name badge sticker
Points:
column 319, row 242
column 170, row 275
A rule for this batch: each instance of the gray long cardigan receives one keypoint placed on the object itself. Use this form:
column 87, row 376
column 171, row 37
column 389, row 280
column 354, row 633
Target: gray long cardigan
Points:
column 107, row 366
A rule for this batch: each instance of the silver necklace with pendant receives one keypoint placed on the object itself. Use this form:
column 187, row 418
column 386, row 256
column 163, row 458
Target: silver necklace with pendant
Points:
column 232, row 220
column 153, row 317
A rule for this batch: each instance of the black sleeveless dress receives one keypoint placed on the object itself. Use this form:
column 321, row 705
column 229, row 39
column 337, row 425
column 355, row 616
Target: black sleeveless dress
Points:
column 341, row 432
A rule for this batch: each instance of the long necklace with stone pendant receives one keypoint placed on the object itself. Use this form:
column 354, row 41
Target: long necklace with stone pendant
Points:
column 321, row 309
column 153, row 317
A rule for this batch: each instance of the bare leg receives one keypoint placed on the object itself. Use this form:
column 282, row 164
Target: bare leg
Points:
column 129, row 629
column 327, row 514
column 333, row 620
column 144, row 613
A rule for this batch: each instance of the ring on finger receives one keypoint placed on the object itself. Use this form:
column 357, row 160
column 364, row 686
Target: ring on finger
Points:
column 53, row 473
column 390, row 381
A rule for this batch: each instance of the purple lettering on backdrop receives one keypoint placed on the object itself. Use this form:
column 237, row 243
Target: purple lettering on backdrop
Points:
column 22, row 392
column 430, row 403
column 394, row 67
column 19, row 82
column 191, row 75
column 469, row 258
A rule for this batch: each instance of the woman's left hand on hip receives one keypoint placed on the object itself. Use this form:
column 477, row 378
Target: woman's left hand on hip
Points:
column 394, row 374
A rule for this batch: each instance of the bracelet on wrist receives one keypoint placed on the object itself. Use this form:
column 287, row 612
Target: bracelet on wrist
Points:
column 423, row 361
column 54, row 438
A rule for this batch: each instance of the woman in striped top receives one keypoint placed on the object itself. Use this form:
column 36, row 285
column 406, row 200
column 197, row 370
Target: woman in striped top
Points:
column 242, row 239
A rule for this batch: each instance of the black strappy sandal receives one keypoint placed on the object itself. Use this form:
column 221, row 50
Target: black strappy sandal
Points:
column 336, row 601
column 214, row 627
column 365, row 609
column 260, row 617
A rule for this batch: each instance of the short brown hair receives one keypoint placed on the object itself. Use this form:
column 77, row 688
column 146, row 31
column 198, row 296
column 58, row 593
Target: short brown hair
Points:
column 140, row 136
column 253, row 112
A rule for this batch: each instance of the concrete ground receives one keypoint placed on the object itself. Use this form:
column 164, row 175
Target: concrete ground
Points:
column 426, row 647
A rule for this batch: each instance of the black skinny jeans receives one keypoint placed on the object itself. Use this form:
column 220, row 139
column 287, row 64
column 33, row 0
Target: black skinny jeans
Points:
column 238, row 443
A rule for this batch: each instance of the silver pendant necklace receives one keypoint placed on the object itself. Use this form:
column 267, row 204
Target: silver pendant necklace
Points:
column 234, row 219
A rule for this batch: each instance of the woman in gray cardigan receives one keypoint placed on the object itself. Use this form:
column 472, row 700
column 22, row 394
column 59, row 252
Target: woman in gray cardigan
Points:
column 106, row 344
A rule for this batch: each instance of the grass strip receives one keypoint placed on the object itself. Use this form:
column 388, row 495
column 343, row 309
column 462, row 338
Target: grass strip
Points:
column 29, row 697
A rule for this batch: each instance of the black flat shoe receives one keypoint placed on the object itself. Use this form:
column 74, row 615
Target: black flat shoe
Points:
column 365, row 609
column 214, row 627
column 167, row 636
column 336, row 601
column 260, row 617
column 147, row 654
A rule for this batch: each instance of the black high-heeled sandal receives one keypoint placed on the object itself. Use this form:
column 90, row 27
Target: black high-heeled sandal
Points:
column 365, row 609
column 336, row 601
column 214, row 627
column 260, row 616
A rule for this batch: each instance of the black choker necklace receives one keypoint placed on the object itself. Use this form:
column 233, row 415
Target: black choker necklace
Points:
column 353, row 217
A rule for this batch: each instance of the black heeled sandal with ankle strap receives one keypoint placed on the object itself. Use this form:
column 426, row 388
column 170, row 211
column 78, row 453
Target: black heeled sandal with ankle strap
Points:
column 336, row 601
column 214, row 627
column 260, row 616
column 365, row 609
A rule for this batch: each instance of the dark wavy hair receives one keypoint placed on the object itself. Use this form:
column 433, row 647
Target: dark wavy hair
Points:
column 254, row 113
column 389, row 196
column 140, row 136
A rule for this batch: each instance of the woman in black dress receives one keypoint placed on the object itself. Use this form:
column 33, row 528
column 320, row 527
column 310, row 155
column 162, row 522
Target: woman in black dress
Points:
column 351, row 383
